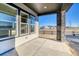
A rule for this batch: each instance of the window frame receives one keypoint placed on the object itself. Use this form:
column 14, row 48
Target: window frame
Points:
column 27, row 24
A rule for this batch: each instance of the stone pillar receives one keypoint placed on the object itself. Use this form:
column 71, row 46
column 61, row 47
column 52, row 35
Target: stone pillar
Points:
column 60, row 25
column 37, row 26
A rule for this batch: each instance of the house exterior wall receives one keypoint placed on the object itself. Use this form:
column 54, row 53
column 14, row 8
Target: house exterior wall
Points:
column 10, row 43
column 23, row 39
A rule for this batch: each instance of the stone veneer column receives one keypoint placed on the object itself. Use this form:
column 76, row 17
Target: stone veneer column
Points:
column 60, row 25
column 37, row 26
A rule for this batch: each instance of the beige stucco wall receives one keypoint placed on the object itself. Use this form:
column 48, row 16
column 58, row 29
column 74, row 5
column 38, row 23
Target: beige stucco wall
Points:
column 24, row 39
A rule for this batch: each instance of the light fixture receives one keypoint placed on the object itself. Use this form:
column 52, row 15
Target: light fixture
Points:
column 45, row 7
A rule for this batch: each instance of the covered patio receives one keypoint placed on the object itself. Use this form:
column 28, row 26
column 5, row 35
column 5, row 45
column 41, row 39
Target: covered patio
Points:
column 30, row 44
column 41, row 47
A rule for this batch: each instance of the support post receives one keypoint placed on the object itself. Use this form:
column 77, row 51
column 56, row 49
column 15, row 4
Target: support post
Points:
column 37, row 26
column 60, row 25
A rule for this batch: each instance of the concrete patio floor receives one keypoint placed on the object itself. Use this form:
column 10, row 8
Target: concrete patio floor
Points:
column 42, row 47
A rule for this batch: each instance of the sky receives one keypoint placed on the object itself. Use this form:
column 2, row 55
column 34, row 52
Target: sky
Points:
column 47, row 20
column 71, row 18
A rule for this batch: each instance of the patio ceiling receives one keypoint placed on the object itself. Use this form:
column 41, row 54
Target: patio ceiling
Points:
column 47, row 8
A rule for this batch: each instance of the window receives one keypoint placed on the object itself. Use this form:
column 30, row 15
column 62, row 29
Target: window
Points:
column 32, row 23
column 24, row 23
column 7, row 21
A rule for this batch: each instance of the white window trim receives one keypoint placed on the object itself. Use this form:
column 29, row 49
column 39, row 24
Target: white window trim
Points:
column 24, row 23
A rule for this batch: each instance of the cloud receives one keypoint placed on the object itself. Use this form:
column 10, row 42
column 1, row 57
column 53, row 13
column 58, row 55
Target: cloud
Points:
column 74, row 25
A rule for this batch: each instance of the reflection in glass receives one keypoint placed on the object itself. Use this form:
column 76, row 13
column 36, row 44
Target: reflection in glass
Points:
column 7, row 22
column 32, row 23
column 24, row 23
column 24, row 28
column 32, row 28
